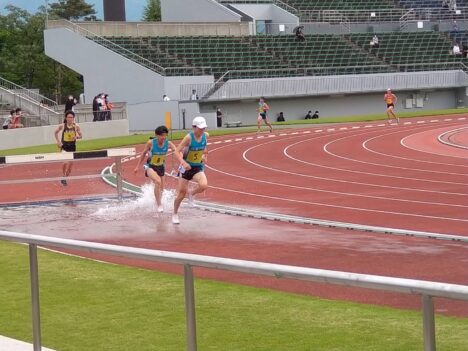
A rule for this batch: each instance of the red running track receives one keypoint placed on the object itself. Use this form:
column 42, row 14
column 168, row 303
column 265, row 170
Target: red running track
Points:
column 391, row 176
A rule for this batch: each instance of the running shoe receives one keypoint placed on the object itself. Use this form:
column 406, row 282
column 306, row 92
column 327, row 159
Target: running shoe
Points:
column 64, row 182
column 175, row 219
column 160, row 209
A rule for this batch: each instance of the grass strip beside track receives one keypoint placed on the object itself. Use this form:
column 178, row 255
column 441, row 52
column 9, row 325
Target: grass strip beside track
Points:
column 141, row 138
column 88, row 305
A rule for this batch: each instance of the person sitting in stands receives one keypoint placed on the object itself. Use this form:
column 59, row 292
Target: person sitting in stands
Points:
column 456, row 50
column 374, row 43
column 299, row 34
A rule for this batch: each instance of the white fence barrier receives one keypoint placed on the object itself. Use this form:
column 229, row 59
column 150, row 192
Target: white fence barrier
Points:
column 426, row 289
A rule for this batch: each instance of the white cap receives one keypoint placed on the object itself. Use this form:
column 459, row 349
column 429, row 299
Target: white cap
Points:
column 199, row 122
column 389, row 89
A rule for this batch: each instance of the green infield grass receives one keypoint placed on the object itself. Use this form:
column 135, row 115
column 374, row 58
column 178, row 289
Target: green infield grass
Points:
column 88, row 305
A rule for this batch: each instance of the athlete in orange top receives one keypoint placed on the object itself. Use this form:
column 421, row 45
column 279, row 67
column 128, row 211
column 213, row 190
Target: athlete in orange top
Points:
column 390, row 99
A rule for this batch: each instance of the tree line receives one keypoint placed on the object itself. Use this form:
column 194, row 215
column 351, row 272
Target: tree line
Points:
column 22, row 57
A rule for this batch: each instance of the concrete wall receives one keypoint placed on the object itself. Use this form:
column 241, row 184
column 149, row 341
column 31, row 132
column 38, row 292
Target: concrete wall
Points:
column 196, row 11
column 271, row 13
column 142, row 29
column 124, row 80
column 23, row 137
column 333, row 105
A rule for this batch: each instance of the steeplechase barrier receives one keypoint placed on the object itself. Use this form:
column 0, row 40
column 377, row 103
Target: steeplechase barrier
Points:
column 426, row 289
column 116, row 154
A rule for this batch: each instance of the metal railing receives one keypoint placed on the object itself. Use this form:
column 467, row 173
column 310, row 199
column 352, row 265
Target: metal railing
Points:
column 326, row 81
column 108, row 44
column 426, row 289
column 24, row 92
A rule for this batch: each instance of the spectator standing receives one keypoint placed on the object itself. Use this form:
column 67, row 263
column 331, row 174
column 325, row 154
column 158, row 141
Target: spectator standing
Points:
column 70, row 104
column 219, row 118
column 194, row 95
column 95, row 109
column 108, row 106
column 456, row 50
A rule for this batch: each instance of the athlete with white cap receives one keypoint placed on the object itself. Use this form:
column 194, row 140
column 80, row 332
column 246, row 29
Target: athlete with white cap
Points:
column 194, row 158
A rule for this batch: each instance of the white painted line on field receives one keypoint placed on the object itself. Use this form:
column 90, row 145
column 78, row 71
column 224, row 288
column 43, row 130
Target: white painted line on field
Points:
column 448, row 119
column 249, row 138
column 420, row 122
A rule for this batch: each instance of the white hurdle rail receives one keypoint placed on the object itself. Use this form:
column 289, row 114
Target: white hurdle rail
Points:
column 117, row 154
column 426, row 289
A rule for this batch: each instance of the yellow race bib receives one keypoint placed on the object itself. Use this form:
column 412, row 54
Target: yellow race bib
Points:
column 158, row 160
column 195, row 156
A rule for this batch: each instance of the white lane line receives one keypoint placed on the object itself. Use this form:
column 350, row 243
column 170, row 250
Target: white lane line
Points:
column 407, row 123
column 238, row 139
column 318, row 131
column 448, row 119
column 461, row 118
column 434, row 120
column 339, row 169
column 326, row 150
column 356, row 127
column 217, row 142
column 306, row 132
column 405, row 214
column 364, row 144
column 227, row 140
column 403, row 143
column 440, row 138
column 249, row 138
column 420, row 122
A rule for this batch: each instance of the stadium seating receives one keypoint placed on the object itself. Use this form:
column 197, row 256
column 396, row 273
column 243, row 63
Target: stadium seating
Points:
column 283, row 55
column 410, row 51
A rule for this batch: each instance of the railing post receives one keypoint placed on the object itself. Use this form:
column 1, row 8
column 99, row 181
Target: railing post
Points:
column 35, row 308
column 190, row 319
column 118, row 168
column 428, row 323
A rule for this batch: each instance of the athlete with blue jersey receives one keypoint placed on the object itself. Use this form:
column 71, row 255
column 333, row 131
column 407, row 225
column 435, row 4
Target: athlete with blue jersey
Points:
column 154, row 168
column 194, row 158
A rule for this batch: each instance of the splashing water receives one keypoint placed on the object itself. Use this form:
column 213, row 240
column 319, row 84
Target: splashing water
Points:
column 144, row 204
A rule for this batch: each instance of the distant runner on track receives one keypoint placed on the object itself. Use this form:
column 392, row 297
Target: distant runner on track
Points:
column 390, row 99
